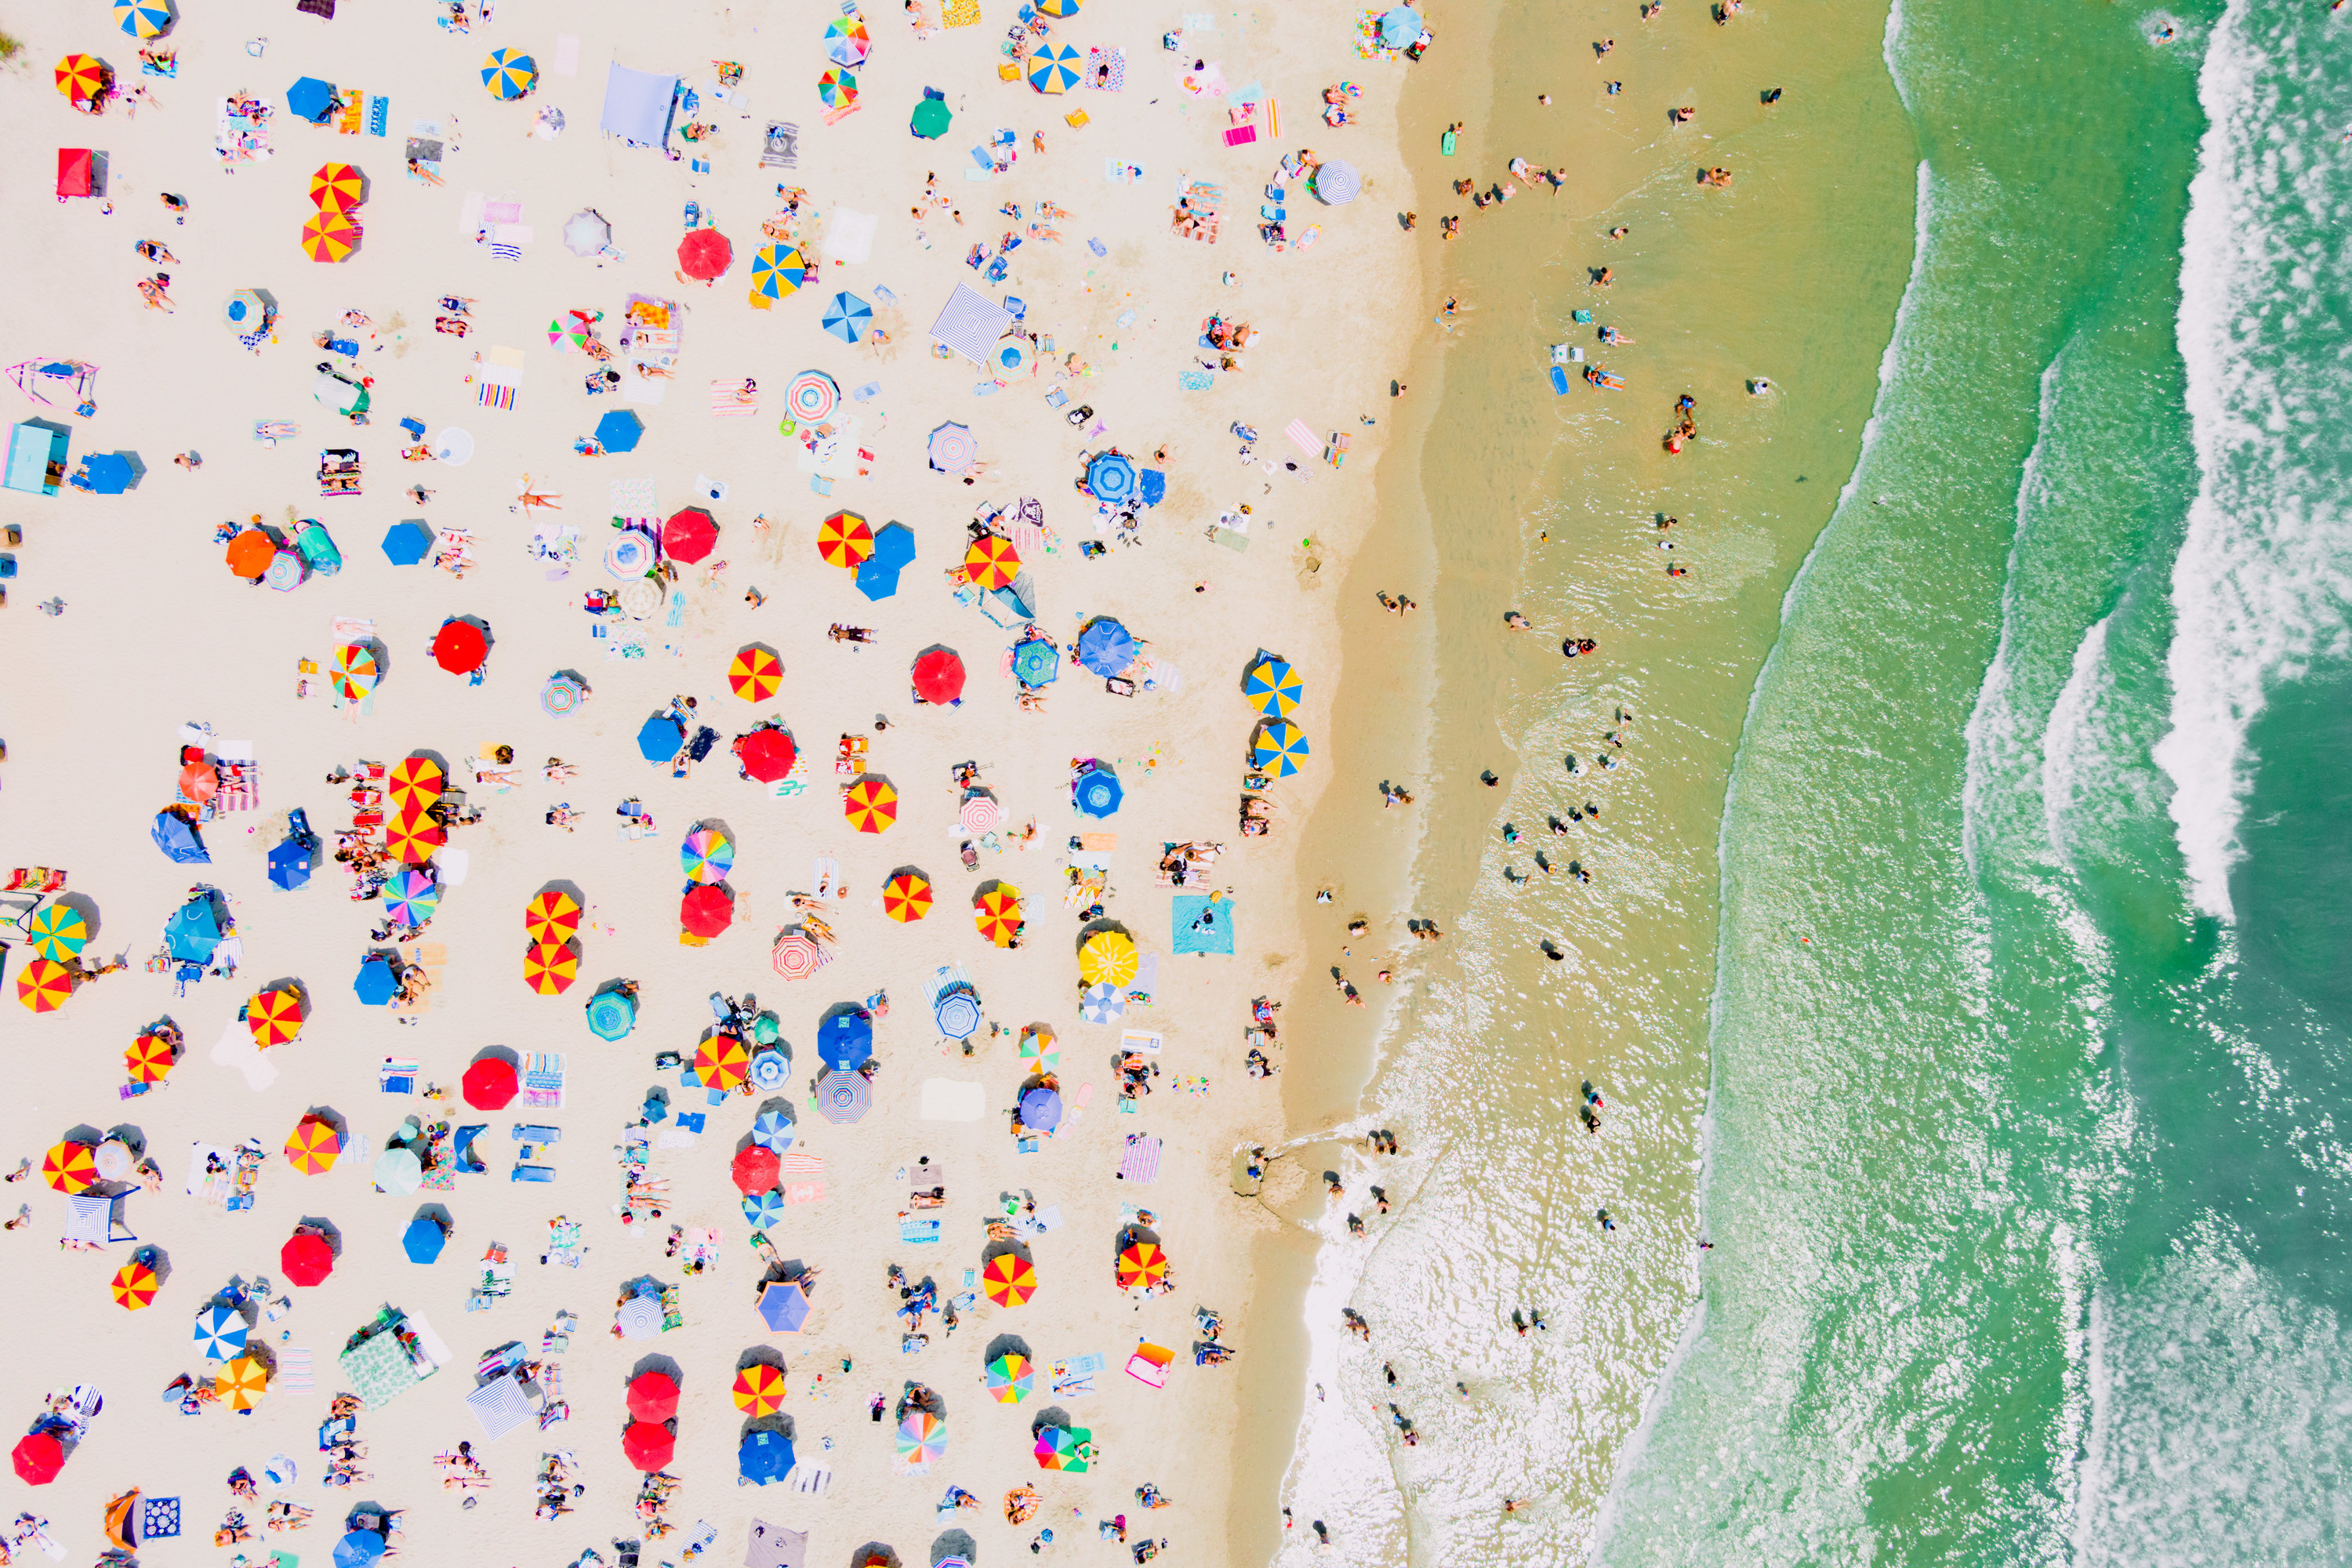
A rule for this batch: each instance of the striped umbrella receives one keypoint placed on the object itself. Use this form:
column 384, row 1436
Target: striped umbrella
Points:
column 1272, row 687
column 81, row 77
column 844, row 1097
column 415, row 783
column 549, row 968
column 1280, row 745
column 797, row 954
column 906, row 896
column 992, row 561
column 330, row 236
column 412, row 836
column 870, row 805
column 70, row 1167
column 1009, row 1279
column 57, row 932
column 552, row 915
column 338, row 188
column 722, row 1062
column 134, row 1287
column 1012, row 1378
column 812, row 395
column 220, row 1333
column 354, row 671
column 275, row 1015
column 510, row 74
column 848, row 317
column 837, row 89
column 707, row 855
column 997, row 913
column 757, row 674
column 142, row 19
column 412, row 896
column 922, row 1437
column 1040, row 1052
column 242, row 1382
column 1064, row 1449
column 313, row 1146
column 1101, row 1003
column 844, row 540
column 43, row 984
column 560, row 696
column 760, row 1390
column 148, row 1059
column 951, row 449
column 1107, row 958
column 762, row 1210
column 1141, row 1265
column 1054, row 69
column 778, row 270
column 955, row 1011
column 979, row 811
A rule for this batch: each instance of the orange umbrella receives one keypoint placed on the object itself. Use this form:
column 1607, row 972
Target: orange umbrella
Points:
column 312, row 1146
column 275, row 1017
column 1142, row 1265
column 70, row 1167
column 551, row 916
column 337, row 188
column 135, row 1286
column 415, row 783
column 870, row 805
column 844, row 539
column 997, row 913
column 250, row 553
column 722, row 1063
column 242, row 1382
column 1009, row 1279
column 756, row 675
column 759, row 1390
column 992, row 561
column 550, row 967
column 200, row 781
column 44, row 984
column 82, row 77
column 906, row 896
column 148, row 1059
column 330, row 236
column 412, row 836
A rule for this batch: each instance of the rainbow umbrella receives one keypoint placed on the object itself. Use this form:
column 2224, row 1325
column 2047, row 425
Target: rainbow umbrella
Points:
column 330, row 236
column 353, row 671
column 242, row 1382
column 274, row 1016
column 757, row 674
column 837, row 89
column 549, row 968
column 1142, row 1265
column 1064, row 1449
column 922, row 1437
column 846, row 42
column 134, row 1287
column 412, row 896
column 906, row 896
column 706, row 856
column 844, row 540
column 44, row 984
column 312, row 1147
column 777, row 270
column 510, row 74
column 1272, row 687
column 760, row 1390
column 722, row 1063
column 148, row 1059
column 1280, row 745
column 142, row 19
column 415, row 783
column 412, row 836
column 551, row 916
column 870, row 805
column 338, row 188
column 81, row 77
column 1012, row 1378
column 1054, row 69
column 70, row 1167
column 1008, row 1279
column 1039, row 1051
column 997, row 913
column 57, row 932
column 1107, row 958
column 992, row 561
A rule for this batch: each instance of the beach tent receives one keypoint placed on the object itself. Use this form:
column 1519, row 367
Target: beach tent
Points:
column 637, row 105
column 37, row 457
column 970, row 324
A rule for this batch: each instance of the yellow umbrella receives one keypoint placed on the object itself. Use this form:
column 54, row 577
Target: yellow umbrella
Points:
column 756, row 675
column 870, row 805
column 415, row 783
column 82, row 77
column 330, row 236
column 550, row 967
column 759, row 1390
column 906, row 896
column 312, row 1147
column 997, row 913
column 275, row 1017
column 242, row 1382
column 1106, row 958
column 337, row 188
column 412, row 836
column 70, row 1167
column 135, row 1286
column 992, row 561
column 1141, row 1265
column 551, row 916
column 722, row 1063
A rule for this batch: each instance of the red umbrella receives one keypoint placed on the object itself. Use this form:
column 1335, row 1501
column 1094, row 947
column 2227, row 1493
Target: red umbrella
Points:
column 459, row 647
column 307, row 1258
column 756, row 1170
column 647, row 1445
column 489, row 1084
column 766, row 755
column 939, row 675
column 689, row 536
column 39, row 1458
column 704, row 254
column 706, row 910
column 653, row 1397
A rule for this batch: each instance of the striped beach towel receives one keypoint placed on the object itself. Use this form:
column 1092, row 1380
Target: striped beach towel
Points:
column 1302, row 438
column 1140, row 1163
column 491, row 395
column 542, row 1080
column 734, row 399
column 796, row 1164
column 293, row 1371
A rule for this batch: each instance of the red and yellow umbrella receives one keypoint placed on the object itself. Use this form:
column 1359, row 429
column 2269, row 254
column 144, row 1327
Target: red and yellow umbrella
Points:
column 415, row 783
column 44, row 984
column 330, row 236
column 756, row 675
column 312, row 1146
column 870, row 805
column 70, row 1167
column 412, row 836
column 1009, row 1279
column 906, row 896
column 82, row 77
column 148, row 1059
column 1142, row 1265
column 275, row 1015
column 135, row 1284
column 759, row 1390
column 242, row 1382
column 992, row 561
column 997, row 913
column 551, row 916
column 550, row 967
column 722, row 1063
column 844, row 539
column 337, row 188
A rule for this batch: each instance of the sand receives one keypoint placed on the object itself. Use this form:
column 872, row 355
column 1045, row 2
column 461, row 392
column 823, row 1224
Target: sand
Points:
column 156, row 633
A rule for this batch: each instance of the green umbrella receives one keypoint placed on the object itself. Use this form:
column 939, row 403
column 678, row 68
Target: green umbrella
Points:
column 931, row 120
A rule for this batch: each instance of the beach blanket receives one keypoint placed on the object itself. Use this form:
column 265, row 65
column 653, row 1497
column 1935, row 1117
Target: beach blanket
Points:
column 1149, row 1363
column 293, row 1373
column 1106, row 69
column 1303, row 438
column 159, row 1518
column 496, row 378
column 772, row 1546
column 734, row 399
column 1199, row 923
column 542, row 1080
column 379, row 1369
column 1140, row 1163
column 1074, row 1378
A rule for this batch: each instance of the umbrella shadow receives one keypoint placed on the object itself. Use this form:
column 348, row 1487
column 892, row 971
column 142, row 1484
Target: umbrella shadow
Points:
column 569, row 889
column 1050, row 1418
column 83, row 1132
column 874, row 1554
column 1134, row 1233
column 325, row 1229
column 661, row 1363
column 436, row 758
column 1095, row 926
column 780, row 1424
column 1004, row 1345
column 378, row 652
column 83, row 905
column 131, row 1136
column 506, row 1054
column 156, row 1261
column 956, row 1543
column 923, row 1398
column 760, row 1355
column 438, row 1214
column 1008, row 1247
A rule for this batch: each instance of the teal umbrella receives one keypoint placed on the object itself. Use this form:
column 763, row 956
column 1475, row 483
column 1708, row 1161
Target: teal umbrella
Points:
column 612, row 1015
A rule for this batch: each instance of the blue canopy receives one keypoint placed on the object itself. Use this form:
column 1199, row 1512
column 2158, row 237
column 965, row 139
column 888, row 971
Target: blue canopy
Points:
column 289, row 863
column 1106, row 646
column 845, row 1040
column 110, row 473
column 1041, row 1109
column 660, row 738
column 611, row 1015
column 1098, row 792
column 406, row 543
column 1400, row 27
column 619, row 431
column 177, row 839
column 311, row 100
column 637, row 105
column 1111, row 478
column 423, row 1240
column 784, row 1307
column 1037, row 662
column 894, row 550
column 846, row 317
column 359, row 1549
column 193, row 931
column 378, row 982
column 764, row 1456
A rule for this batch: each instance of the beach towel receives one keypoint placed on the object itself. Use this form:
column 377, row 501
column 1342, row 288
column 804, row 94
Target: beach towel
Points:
column 1140, row 1163
column 772, row 1546
column 1074, row 1378
column 159, row 1518
column 542, row 1080
column 916, row 1232
column 398, row 1075
column 497, row 376
column 1201, row 925
column 1303, row 438
column 734, row 399
column 1149, row 1363
column 1106, row 69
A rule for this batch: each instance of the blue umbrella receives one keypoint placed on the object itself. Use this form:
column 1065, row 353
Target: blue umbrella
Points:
column 1037, row 662
column 1101, row 1003
column 289, row 863
column 1111, row 478
column 846, row 317
column 763, row 1209
column 406, row 543
column 423, row 1240
column 845, row 1040
column 1098, row 792
column 178, row 841
column 764, row 1456
column 1400, row 27
column 660, row 738
column 1105, row 646
column 378, row 982
column 784, row 1307
column 359, row 1549
column 110, row 473
column 956, row 1011
column 772, row 1129
column 220, row 1334
column 611, row 1015
column 619, row 431
column 894, row 550
column 1041, row 1110
column 311, row 100
column 768, row 1072
column 193, row 931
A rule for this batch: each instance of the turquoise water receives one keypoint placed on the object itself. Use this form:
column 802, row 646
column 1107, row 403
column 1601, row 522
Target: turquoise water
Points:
column 2028, row 1177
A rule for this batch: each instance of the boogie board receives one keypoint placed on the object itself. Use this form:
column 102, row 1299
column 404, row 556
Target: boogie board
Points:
column 1559, row 380
column 1445, row 143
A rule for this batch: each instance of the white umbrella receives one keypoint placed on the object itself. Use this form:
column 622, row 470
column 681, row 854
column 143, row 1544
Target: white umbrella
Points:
column 336, row 393
column 640, row 1318
column 454, row 445
column 585, row 233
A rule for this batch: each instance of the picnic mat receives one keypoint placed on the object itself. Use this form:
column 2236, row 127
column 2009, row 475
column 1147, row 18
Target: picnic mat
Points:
column 1198, row 922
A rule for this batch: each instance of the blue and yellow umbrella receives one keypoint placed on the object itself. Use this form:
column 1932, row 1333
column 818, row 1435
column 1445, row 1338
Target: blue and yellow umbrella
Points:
column 1057, row 7
column 510, row 74
column 778, row 270
column 1054, row 69
column 143, row 18
column 1279, row 746
column 1272, row 687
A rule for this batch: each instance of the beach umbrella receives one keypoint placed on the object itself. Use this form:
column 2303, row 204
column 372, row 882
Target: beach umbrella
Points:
column 870, row 805
column 762, row 1210
column 274, row 1016
column 844, row 539
column 1280, row 745
column 706, row 911
column 37, row 1456
column 1012, row 1378
column 585, row 233
column 1107, row 958
column 1037, row 661
column 307, row 1258
column 568, row 332
column 612, row 1015
column 796, row 955
column 1141, row 1265
column 906, row 896
column 510, row 74
column 1106, row 648
column 286, row 567
column 922, row 1438
column 415, row 783
column 148, row 1059
column 244, row 311
column 937, row 676
column 931, row 120
column 1272, row 687
column 1111, row 478
column 331, row 237
column 354, row 671
column 755, row 1169
column 771, row 1128
column 764, row 1456
column 620, row 430
column 57, row 931
column 783, row 1306
column 412, row 896
column 337, row 188
column 490, row 1083
column 767, row 753
column 552, row 915
column 423, row 1240
column 459, row 647
column 845, row 42
column 193, row 931
column 652, row 1396
column 220, row 1333
column 659, row 738
column 1041, row 1110
column 561, row 695
column 250, row 553
column 704, row 254
column 1063, row 1448
column 81, row 77
column 70, row 1167
column 706, row 856
column 289, row 862
column 312, row 99
column 778, row 270
column 1101, row 1003
column 549, row 968
column 377, row 982
column 952, row 450
column 399, row 1172
column 992, row 561
column 1057, row 7
column 845, row 1040
column 242, row 1382
column 844, row 1097
column 1011, row 359
column 647, row 1447
column 837, row 89
column 757, row 674
column 1335, row 183
column 1054, row 69
column 955, row 1011
column 760, row 1390
column 848, row 317
column 1400, row 27
column 1097, row 792
column 1039, row 1051
column 313, row 1145
column 135, row 1286
column 689, row 536
column 997, row 913
column 142, row 19
column 359, row 1549
column 722, row 1062
column 1008, row 1279
column 812, row 395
